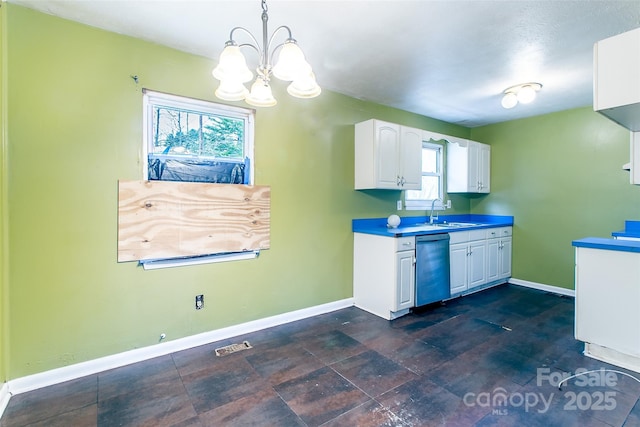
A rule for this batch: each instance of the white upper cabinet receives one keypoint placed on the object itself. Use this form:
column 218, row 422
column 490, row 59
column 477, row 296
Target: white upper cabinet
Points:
column 616, row 94
column 468, row 167
column 387, row 156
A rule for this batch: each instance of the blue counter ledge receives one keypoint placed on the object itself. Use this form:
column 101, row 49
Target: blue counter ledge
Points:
column 413, row 225
column 631, row 229
column 608, row 244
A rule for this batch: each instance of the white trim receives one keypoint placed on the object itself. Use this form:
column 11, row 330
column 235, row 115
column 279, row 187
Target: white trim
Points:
column 153, row 264
column 59, row 375
column 4, row 398
column 543, row 287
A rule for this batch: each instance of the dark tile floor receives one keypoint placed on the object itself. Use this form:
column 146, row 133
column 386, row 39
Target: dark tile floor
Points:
column 487, row 359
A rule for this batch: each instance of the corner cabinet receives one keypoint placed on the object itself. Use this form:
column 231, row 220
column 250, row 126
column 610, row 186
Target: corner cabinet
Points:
column 468, row 167
column 499, row 245
column 387, row 156
column 384, row 274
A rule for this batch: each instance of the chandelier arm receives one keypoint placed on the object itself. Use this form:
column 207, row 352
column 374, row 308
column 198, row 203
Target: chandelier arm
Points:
column 273, row 35
column 251, row 46
column 247, row 32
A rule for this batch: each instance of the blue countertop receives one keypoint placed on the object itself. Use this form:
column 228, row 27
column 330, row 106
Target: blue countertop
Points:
column 631, row 229
column 414, row 225
column 608, row 244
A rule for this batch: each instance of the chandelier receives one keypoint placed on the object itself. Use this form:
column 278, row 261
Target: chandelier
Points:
column 232, row 70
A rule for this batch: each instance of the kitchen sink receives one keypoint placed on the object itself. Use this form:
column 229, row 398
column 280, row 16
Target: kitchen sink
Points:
column 454, row 224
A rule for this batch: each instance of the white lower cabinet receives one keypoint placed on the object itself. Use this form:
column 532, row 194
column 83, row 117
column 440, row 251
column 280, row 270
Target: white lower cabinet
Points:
column 499, row 245
column 384, row 274
column 468, row 260
column 405, row 281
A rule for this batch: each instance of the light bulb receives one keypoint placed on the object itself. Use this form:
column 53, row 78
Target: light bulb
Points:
column 509, row 100
column 526, row 94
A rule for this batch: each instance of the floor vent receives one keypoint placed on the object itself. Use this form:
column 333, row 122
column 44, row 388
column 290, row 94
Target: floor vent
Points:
column 233, row 348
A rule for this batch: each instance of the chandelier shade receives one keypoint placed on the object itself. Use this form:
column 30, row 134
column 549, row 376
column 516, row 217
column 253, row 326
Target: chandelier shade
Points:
column 231, row 90
column 291, row 62
column 232, row 66
column 304, row 87
column 291, row 66
column 260, row 95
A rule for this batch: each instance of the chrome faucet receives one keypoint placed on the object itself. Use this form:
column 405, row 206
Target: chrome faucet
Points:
column 431, row 217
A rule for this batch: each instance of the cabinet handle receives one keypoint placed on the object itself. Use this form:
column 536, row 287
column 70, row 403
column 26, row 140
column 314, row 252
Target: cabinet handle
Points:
column 406, row 244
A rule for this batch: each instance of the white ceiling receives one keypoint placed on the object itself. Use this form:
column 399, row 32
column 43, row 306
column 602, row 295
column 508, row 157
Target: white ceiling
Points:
column 444, row 59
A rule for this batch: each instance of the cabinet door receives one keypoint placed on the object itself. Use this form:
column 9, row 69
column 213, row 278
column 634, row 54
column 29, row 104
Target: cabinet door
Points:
column 484, row 166
column 405, row 284
column 388, row 149
column 477, row 263
column 493, row 259
column 458, row 267
column 617, row 71
column 505, row 258
column 410, row 158
column 473, row 184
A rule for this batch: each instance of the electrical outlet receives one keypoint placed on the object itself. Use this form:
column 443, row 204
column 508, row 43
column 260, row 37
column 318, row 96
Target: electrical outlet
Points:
column 399, row 205
column 449, row 203
column 199, row 301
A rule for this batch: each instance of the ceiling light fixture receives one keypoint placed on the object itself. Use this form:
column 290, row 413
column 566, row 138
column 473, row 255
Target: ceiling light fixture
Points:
column 232, row 70
column 523, row 93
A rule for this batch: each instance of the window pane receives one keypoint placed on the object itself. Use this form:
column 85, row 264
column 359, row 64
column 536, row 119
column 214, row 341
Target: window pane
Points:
column 223, row 137
column 429, row 160
column 430, row 187
column 188, row 133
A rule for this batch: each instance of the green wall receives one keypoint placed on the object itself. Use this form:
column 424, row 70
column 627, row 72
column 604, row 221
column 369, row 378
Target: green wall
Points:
column 560, row 176
column 75, row 129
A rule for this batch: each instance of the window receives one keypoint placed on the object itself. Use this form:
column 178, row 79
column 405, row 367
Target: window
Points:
column 198, row 141
column 431, row 179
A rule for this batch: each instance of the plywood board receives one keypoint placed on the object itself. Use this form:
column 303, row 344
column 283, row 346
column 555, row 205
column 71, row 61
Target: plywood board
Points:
column 163, row 219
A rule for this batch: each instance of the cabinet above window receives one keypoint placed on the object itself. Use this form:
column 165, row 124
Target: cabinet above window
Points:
column 468, row 167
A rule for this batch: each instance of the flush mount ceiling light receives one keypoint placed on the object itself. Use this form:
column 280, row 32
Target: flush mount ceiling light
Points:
column 523, row 93
column 232, row 70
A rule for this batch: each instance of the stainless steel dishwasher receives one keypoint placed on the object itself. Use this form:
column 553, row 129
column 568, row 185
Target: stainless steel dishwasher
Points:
column 432, row 268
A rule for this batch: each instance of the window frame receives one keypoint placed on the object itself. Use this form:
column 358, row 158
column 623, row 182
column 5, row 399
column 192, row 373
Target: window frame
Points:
column 422, row 204
column 153, row 98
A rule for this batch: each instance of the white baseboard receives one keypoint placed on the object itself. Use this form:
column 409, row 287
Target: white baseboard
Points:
column 59, row 375
column 4, row 398
column 543, row 287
